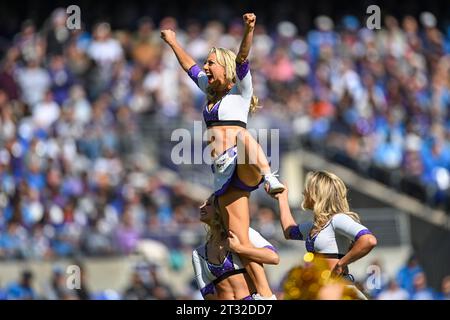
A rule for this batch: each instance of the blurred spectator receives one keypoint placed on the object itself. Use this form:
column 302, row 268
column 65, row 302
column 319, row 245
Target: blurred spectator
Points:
column 23, row 289
column 46, row 113
column 127, row 234
column 421, row 290
column 57, row 35
column 393, row 292
column 146, row 46
column 29, row 42
column 160, row 290
column 39, row 243
column 445, row 289
column 34, row 81
column 137, row 290
column 147, row 284
column 13, row 241
column 61, row 78
column 405, row 276
column 7, row 82
column 56, row 289
column 105, row 50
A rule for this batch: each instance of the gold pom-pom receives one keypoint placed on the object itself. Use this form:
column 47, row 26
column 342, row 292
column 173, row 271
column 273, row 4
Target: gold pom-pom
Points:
column 313, row 281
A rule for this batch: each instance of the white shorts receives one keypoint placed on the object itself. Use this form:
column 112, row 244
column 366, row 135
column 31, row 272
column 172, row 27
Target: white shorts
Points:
column 224, row 168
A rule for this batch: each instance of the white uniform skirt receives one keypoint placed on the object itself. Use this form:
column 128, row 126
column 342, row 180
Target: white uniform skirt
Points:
column 224, row 168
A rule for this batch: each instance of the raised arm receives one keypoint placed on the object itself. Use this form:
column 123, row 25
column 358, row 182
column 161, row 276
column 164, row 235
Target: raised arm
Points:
column 185, row 60
column 288, row 223
column 264, row 253
column 287, row 220
column 291, row 230
column 244, row 49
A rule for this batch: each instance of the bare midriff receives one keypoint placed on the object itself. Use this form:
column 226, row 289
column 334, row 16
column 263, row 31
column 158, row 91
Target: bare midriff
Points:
column 221, row 138
column 235, row 287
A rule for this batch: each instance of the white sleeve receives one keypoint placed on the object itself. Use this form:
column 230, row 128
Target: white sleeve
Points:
column 244, row 79
column 258, row 240
column 199, row 77
column 206, row 287
column 346, row 226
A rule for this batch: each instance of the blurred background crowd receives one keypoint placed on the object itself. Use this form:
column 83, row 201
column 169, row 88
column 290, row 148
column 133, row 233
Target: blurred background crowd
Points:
column 82, row 114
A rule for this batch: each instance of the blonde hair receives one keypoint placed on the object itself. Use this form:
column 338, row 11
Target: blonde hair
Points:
column 327, row 194
column 227, row 59
column 217, row 225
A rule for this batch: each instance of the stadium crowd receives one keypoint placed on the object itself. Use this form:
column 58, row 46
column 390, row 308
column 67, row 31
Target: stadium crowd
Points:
column 73, row 179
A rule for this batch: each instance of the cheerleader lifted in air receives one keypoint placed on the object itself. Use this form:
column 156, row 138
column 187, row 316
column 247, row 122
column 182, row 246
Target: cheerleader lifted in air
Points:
column 226, row 80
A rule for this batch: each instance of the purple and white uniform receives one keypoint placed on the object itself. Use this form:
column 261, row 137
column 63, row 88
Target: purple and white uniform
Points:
column 335, row 238
column 208, row 274
column 333, row 241
column 231, row 110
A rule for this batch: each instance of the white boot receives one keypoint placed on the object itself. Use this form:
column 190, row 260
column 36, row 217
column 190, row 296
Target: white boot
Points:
column 275, row 186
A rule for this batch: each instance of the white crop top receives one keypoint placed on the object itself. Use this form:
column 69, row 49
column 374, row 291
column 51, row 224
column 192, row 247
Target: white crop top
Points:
column 233, row 108
column 208, row 274
column 335, row 238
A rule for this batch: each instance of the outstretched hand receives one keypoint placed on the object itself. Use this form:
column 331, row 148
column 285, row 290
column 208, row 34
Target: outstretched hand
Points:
column 249, row 20
column 168, row 36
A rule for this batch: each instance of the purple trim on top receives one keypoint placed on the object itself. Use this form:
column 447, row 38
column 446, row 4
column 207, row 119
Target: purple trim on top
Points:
column 271, row 248
column 209, row 289
column 249, row 297
column 310, row 243
column 193, row 73
column 242, row 69
column 295, row 234
column 226, row 266
column 361, row 233
column 213, row 114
